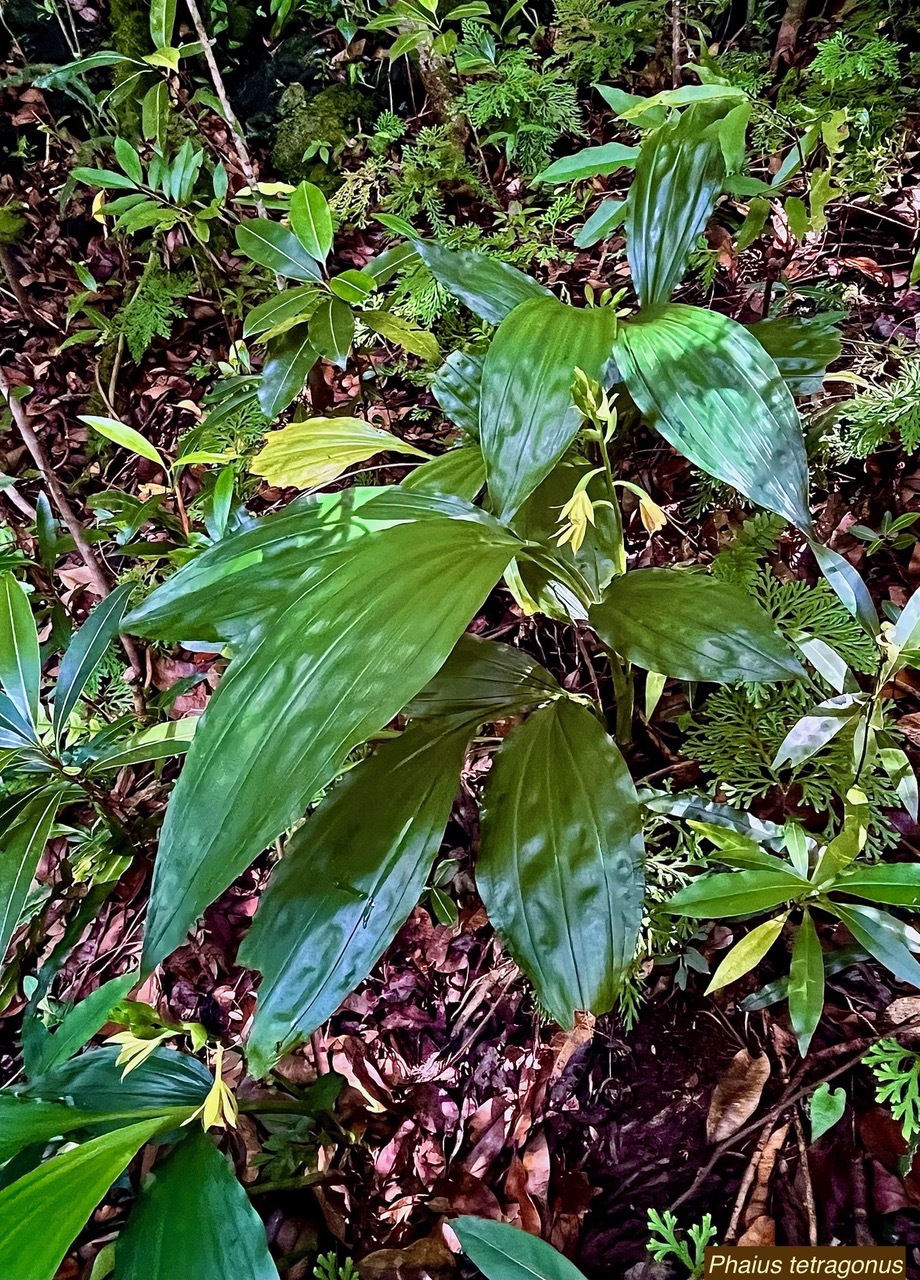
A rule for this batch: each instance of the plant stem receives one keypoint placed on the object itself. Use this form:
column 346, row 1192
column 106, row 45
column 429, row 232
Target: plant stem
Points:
column 624, row 692
column 236, row 133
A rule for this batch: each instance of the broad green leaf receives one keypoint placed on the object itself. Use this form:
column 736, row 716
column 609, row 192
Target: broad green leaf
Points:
column 825, row 1108
column 608, row 215
column 284, row 376
column 335, row 655
column 386, row 264
column 527, row 419
column 25, row 1122
column 193, row 1219
column 308, row 454
column 883, row 937
column 126, row 437
column 353, row 287
column 483, row 681
column 897, row 883
column 736, row 893
column 901, row 774
column 162, row 21
column 714, row 394
column 907, row 627
column 108, row 179
column 20, row 661
column 490, row 288
column 332, row 330
column 560, row 864
column 503, row 1252
column 273, row 246
column 79, row 1024
column 129, row 160
column 747, row 953
column 404, row 333
column 283, row 307
column 806, row 983
column 21, row 847
column 16, row 732
column 311, row 220
column 165, row 1081
column 848, row 586
column 678, row 178
column 85, row 651
column 692, row 627
column 347, row 882
column 43, row 1211
column 802, row 348
column 460, row 471
column 688, row 94
column 158, row 742
column 457, row 387
column 591, row 162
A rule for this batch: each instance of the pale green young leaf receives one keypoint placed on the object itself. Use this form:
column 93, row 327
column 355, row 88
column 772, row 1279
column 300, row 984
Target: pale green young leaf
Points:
column 747, row 953
column 126, row 437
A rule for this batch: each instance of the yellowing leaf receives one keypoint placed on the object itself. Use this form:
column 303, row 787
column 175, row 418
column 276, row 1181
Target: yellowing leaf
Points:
column 749, row 951
column 307, row 454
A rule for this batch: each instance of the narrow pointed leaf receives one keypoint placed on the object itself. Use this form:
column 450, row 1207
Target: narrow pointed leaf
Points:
column 337, row 654
column 457, row 387
column 806, row 983
column 814, row 731
column 79, row 1024
column 490, row 288
column 747, row 953
column 848, row 586
column 43, row 1211
column 282, row 307
column 692, row 627
column 735, row 893
column 883, row 937
column 159, row 742
column 291, row 357
column 527, row 419
column 559, row 870
column 801, row 347
column 193, row 1219
column 273, row 246
column 347, row 882
column 715, row 394
column 591, row 162
column 678, row 178
column 332, row 330
column 20, row 663
column 21, row 847
column 126, row 437
column 85, row 651
column 605, row 219
column 503, row 1252
column 897, row 884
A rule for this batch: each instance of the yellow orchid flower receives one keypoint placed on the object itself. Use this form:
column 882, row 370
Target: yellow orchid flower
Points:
column 220, row 1109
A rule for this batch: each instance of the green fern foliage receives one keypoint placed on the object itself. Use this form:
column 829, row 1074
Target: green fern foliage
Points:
column 897, row 1083
column 153, row 308
column 878, row 416
column 599, row 40
column 845, row 58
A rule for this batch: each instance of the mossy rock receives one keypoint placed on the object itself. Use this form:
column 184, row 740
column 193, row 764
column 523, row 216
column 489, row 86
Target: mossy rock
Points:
column 330, row 117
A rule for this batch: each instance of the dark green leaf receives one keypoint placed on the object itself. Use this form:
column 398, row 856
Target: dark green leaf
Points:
column 43, row 1211
column 164, row 1081
column 825, row 1109
column 108, row 179
column 332, row 330
column 608, row 215
column 79, row 1024
column 591, row 162
column 527, row 419
column 490, row 288
column 20, row 663
column 23, row 843
column 283, row 306
column 896, row 883
column 692, row 627
column 806, row 983
column 717, row 397
column 461, row 472
column 347, row 882
column 457, row 387
column 503, row 1252
column 848, row 586
column 273, row 246
column 85, row 651
column 559, row 869
column 736, row 893
column 193, row 1220
column 353, row 287
column 483, row 681
column 678, row 179
column 801, row 347
column 883, row 937
column 538, row 521
column 311, row 220
column 291, row 357
column 331, row 657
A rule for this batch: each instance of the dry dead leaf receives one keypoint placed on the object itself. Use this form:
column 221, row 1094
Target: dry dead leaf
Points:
column 736, row 1096
column 760, row 1233
column 757, row 1205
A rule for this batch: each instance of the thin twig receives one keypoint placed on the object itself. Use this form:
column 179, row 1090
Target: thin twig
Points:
column 236, row 133
column 101, row 582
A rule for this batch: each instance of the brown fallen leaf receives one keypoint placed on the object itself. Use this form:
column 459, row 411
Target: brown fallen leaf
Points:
column 736, row 1096
column 426, row 1259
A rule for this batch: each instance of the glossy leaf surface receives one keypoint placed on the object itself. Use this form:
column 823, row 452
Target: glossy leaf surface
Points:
column 86, row 650
column 527, row 419
column 273, row 246
column 692, row 627
column 715, row 394
column 559, row 869
column 193, row 1219
column 335, row 654
column 490, row 288
column 483, row 681
column 347, row 882
column 736, row 893
column 503, row 1252
column 20, row 665
column 314, row 452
